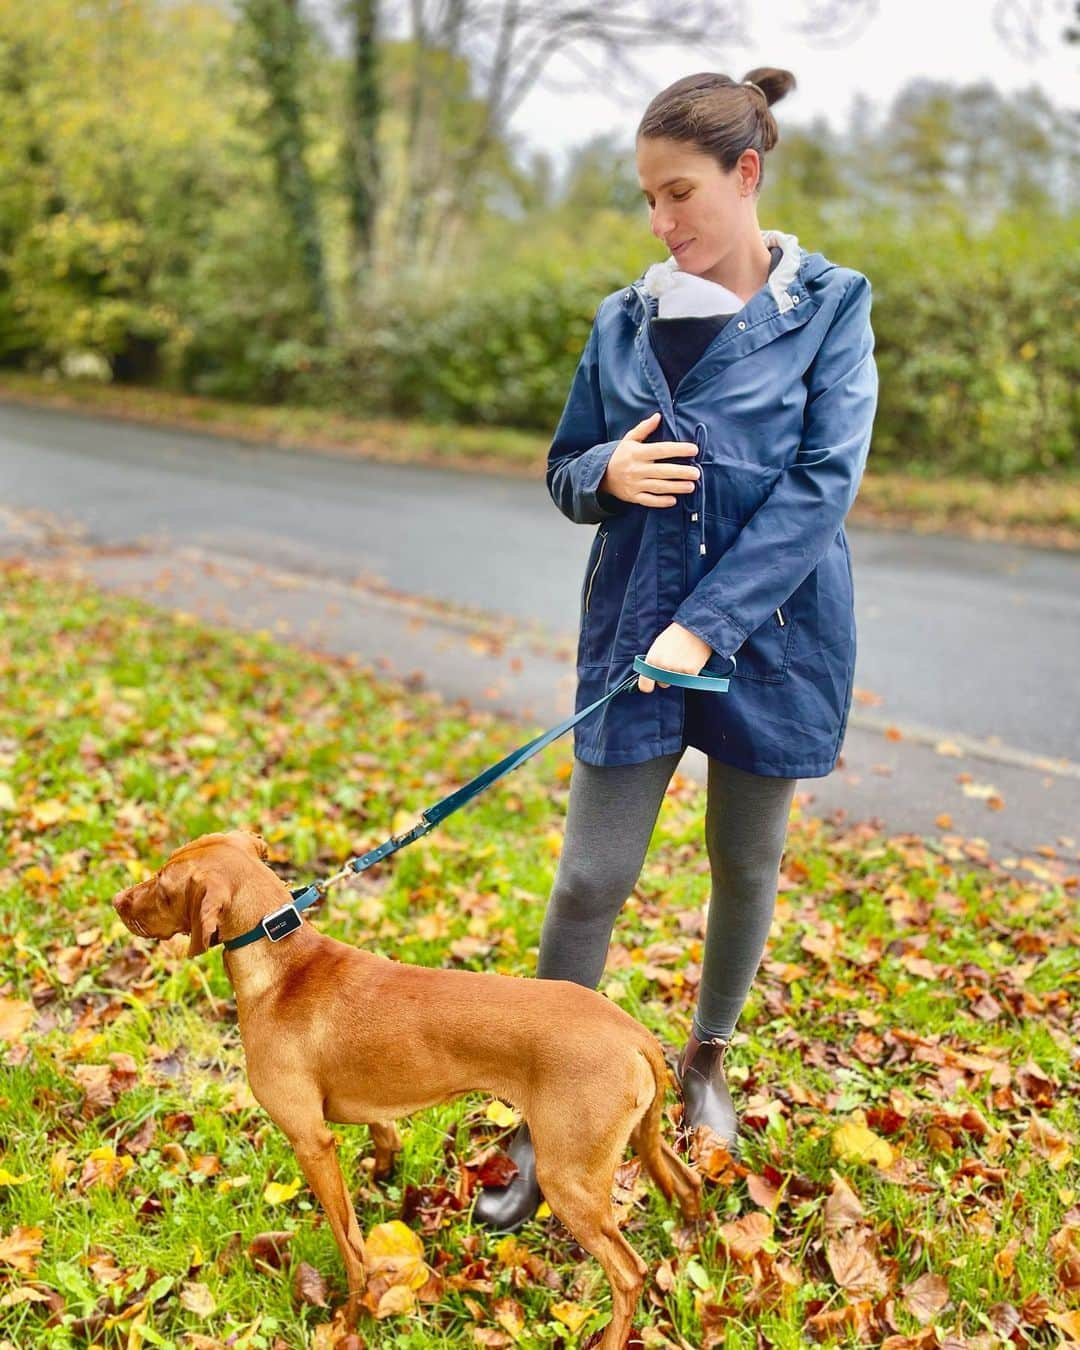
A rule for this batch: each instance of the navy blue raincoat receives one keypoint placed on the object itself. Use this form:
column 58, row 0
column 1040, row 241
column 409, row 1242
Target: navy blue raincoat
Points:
column 755, row 560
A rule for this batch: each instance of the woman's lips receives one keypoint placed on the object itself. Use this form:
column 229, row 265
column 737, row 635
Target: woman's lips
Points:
column 681, row 248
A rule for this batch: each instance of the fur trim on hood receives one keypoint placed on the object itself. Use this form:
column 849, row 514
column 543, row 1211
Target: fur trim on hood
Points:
column 682, row 294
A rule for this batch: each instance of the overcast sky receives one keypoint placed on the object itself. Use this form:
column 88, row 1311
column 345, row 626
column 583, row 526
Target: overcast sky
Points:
column 942, row 39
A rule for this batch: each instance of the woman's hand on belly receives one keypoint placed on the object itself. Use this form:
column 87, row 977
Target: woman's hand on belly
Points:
column 675, row 649
column 634, row 473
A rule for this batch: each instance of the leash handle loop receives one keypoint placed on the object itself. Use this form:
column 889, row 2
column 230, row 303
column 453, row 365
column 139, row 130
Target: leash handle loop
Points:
column 713, row 684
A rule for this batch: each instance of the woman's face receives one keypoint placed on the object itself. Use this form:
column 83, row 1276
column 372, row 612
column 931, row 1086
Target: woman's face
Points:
column 697, row 209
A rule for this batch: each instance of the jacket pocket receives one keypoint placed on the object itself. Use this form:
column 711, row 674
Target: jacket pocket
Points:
column 608, row 600
column 766, row 653
column 734, row 488
column 590, row 577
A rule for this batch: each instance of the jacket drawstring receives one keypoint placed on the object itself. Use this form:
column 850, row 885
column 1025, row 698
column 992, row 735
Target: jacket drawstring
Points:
column 701, row 438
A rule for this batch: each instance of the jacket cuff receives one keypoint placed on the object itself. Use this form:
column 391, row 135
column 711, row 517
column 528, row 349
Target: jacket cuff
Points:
column 721, row 631
column 589, row 468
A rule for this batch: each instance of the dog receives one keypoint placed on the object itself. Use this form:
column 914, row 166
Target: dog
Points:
column 335, row 1033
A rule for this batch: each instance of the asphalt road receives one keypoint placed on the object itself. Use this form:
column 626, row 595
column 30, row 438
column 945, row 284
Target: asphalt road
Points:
column 974, row 645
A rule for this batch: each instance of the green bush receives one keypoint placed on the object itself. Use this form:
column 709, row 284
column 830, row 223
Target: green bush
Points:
column 976, row 341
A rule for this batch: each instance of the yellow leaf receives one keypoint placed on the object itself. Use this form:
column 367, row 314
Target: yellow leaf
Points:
column 48, row 812
column 571, row 1315
column 15, row 1017
column 9, row 1179
column 394, row 1252
column 7, row 797
column 60, row 1166
column 276, row 1192
column 1068, row 1322
column 20, row 1248
column 501, row 1115
column 510, row 1252
column 399, row 1298
column 510, row 1315
column 855, row 1141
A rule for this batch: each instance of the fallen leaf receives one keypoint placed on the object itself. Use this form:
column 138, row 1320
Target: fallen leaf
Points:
column 855, row 1142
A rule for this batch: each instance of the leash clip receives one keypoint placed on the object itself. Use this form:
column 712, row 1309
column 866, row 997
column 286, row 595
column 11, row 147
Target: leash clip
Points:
column 423, row 826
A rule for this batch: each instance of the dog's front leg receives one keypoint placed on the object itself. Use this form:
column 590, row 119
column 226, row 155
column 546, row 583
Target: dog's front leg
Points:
column 316, row 1150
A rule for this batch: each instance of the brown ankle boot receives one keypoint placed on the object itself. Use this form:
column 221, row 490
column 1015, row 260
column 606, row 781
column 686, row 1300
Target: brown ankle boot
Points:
column 706, row 1098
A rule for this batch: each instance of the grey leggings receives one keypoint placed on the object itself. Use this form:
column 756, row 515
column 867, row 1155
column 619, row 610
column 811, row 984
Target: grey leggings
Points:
column 609, row 823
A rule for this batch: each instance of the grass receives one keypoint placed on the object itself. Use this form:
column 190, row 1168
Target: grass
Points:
column 927, row 1005
column 1042, row 511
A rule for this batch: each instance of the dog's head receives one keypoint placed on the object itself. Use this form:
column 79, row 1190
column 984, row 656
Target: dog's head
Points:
column 192, row 890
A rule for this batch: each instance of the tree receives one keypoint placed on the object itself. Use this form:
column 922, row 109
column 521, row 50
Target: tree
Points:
column 278, row 36
column 362, row 159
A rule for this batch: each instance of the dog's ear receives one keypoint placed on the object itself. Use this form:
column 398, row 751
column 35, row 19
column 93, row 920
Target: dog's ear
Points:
column 257, row 842
column 207, row 898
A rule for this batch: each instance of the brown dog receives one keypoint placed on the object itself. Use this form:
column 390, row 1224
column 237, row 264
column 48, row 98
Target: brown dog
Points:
column 332, row 1033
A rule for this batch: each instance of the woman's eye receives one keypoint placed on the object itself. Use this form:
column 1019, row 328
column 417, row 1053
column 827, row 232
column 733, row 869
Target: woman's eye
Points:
column 679, row 196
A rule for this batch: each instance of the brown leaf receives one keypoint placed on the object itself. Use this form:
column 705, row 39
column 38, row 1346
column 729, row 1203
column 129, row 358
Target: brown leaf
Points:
column 762, row 1191
column 95, row 1082
column 854, row 1264
column 197, row 1298
column 1004, row 1319
column 1049, row 1142
column 843, row 1209
column 1034, row 1084
column 746, row 1236
column 309, row 1286
column 925, row 1297
column 21, row 1247
column 270, row 1251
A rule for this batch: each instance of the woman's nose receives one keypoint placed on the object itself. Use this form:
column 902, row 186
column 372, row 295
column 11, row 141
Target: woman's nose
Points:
column 661, row 226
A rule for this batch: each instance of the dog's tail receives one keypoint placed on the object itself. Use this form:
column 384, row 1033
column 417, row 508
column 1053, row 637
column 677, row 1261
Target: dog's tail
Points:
column 663, row 1164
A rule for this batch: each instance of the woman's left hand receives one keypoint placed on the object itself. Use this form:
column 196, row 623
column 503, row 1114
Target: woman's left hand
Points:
column 675, row 649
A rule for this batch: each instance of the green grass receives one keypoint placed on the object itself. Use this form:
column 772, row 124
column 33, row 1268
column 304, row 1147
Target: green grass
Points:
column 125, row 731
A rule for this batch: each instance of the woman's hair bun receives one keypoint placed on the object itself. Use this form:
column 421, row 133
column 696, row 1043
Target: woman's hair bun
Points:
column 773, row 83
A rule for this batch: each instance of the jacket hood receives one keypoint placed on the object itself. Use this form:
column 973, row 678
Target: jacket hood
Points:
column 682, row 292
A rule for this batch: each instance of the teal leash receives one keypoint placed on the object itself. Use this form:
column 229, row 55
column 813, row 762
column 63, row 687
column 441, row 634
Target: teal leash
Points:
column 287, row 919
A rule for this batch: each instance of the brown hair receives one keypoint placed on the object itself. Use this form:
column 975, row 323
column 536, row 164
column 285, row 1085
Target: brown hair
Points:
column 719, row 115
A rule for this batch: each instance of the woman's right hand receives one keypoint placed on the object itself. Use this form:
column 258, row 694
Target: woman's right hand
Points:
column 633, row 474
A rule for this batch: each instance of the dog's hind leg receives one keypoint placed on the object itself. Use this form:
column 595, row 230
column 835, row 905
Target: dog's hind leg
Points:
column 580, row 1195
column 388, row 1145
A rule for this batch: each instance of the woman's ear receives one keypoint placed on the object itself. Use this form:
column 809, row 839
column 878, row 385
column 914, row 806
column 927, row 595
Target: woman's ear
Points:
column 207, row 898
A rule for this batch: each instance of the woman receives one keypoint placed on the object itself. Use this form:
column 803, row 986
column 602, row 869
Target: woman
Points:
column 716, row 432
